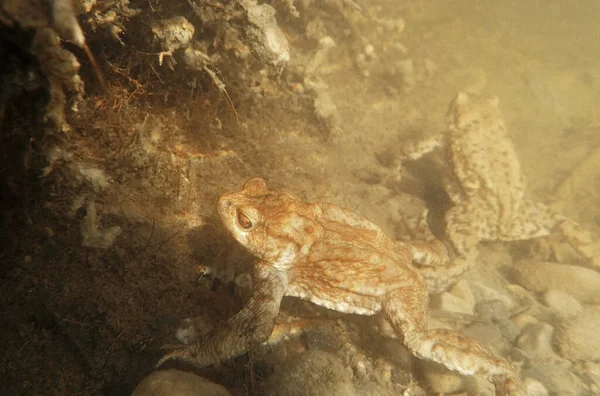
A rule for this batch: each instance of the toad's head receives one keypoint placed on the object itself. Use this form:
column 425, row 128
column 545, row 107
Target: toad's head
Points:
column 274, row 225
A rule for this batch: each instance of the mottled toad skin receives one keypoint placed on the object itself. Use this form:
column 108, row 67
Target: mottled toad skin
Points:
column 483, row 178
column 337, row 259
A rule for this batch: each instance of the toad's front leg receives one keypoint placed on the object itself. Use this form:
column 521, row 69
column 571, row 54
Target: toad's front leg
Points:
column 415, row 149
column 237, row 335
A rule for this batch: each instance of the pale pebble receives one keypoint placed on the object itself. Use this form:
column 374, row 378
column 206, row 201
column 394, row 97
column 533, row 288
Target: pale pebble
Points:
column 488, row 334
column 540, row 276
column 463, row 290
column 484, row 293
column 311, row 373
column 535, row 387
column 524, row 320
column 579, row 338
column 562, row 304
column 451, row 303
column 177, row 383
column 536, row 342
column 557, row 378
column 441, row 380
column 492, row 310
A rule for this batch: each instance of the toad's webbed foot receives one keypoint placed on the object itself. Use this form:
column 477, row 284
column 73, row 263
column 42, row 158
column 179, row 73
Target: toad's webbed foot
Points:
column 189, row 332
column 210, row 343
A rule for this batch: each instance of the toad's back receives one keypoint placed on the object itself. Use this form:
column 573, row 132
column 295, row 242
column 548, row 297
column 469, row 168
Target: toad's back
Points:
column 352, row 265
column 484, row 160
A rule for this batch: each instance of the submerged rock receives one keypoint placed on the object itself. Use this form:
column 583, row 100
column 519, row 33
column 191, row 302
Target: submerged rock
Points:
column 441, row 380
column 562, row 304
column 177, row 383
column 310, row 374
column 449, row 302
column 556, row 378
column 535, row 388
column 579, row 338
column 540, row 276
column 536, row 341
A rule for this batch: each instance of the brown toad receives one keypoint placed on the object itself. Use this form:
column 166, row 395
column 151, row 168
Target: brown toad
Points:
column 483, row 178
column 339, row 260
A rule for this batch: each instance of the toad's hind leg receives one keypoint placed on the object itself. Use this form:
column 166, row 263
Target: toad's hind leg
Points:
column 405, row 309
column 534, row 220
column 537, row 220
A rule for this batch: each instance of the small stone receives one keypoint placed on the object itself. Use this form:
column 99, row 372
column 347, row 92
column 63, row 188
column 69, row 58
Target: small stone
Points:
column 484, row 293
column 492, row 310
column 311, row 373
column 463, row 290
column 177, row 383
column 441, row 380
column 495, row 311
column 488, row 334
column 579, row 338
column 557, row 378
column 563, row 252
column 590, row 372
column 360, row 368
column 522, row 296
column 563, row 304
column 540, row 276
column 536, row 341
column 535, row 387
column 524, row 320
column 451, row 303
column 509, row 331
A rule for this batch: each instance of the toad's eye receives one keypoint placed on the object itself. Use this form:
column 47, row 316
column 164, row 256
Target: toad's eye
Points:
column 244, row 221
